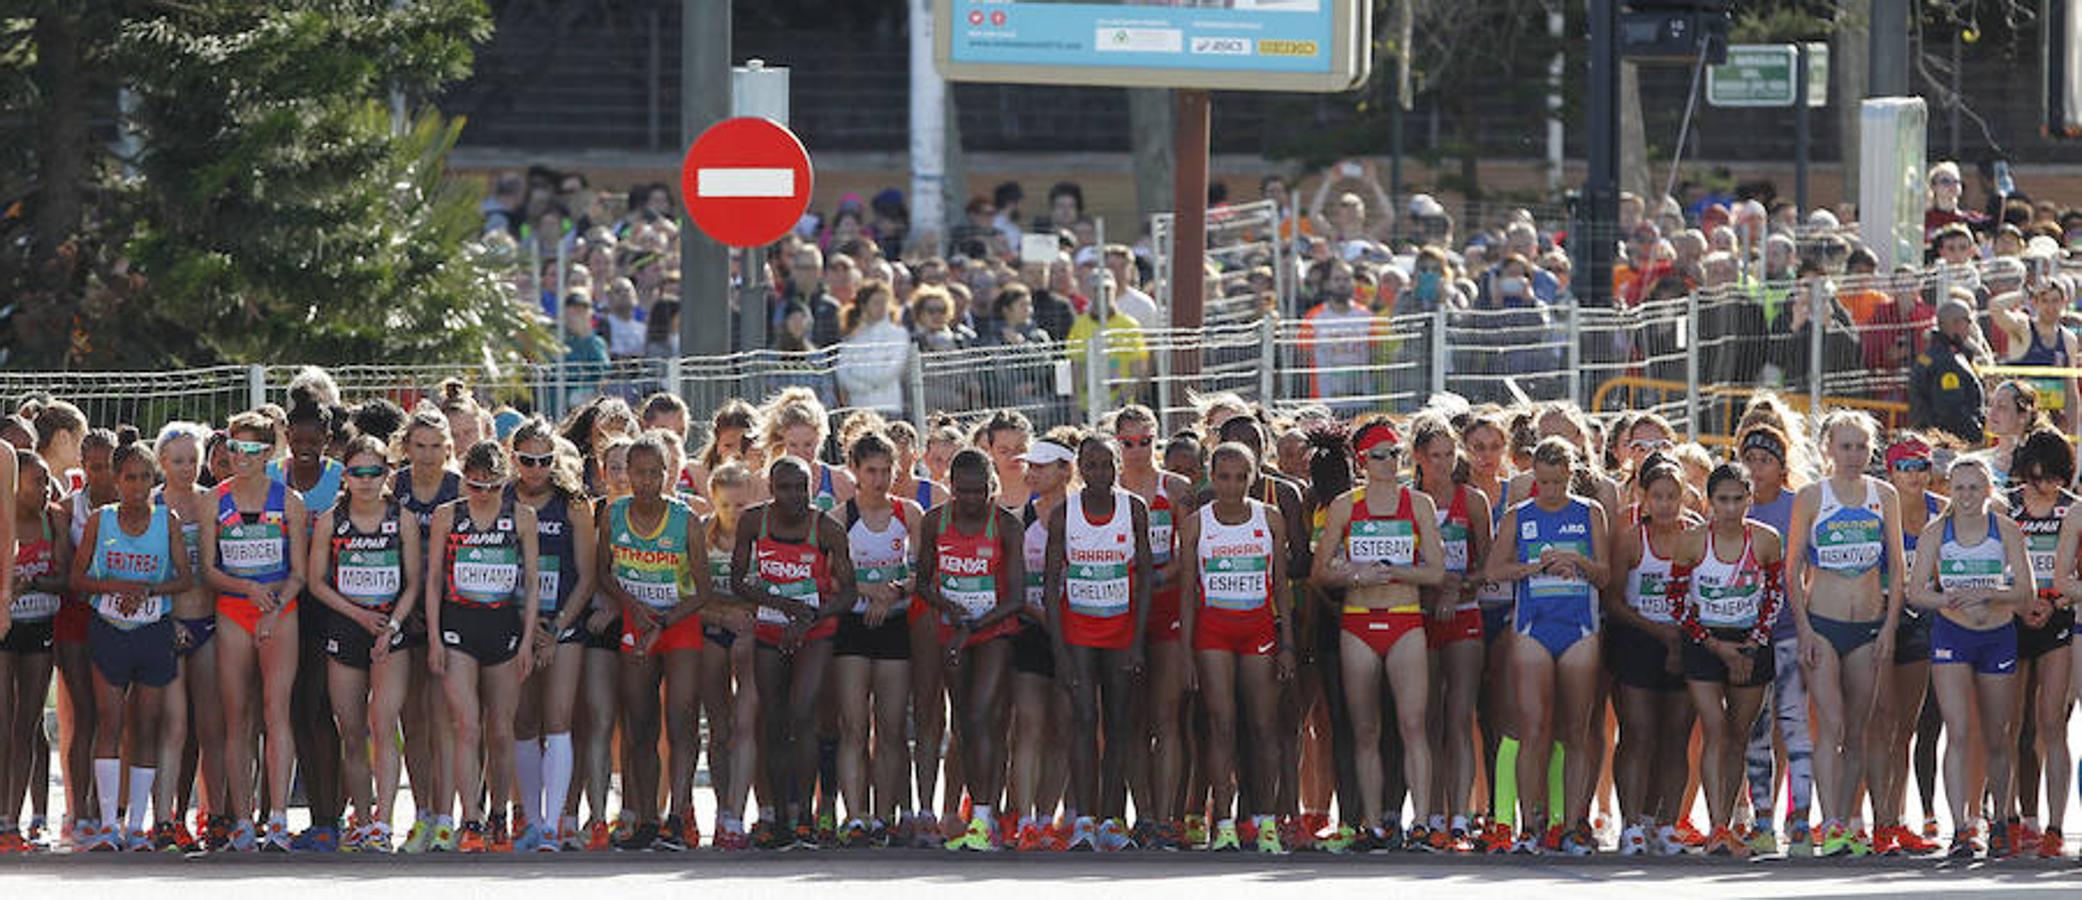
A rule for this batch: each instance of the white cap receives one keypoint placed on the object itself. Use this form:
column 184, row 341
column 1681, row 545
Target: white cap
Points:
column 1047, row 453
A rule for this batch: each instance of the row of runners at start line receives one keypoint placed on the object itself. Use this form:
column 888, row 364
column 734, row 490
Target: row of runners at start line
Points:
column 1231, row 630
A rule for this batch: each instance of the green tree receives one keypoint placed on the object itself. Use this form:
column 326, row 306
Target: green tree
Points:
column 274, row 210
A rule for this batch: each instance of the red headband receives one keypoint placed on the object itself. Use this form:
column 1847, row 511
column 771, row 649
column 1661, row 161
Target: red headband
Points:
column 1375, row 435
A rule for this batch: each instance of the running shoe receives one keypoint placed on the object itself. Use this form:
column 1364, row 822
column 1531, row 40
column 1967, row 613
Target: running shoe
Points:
column 1963, row 847
column 1031, row 839
column 1913, row 842
column 1295, row 833
column 94, row 839
column 1723, row 843
column 1836, row 840
column 690, row 833
column 925, row 832
column 277, row 839
column 1418, row 840
column 34, row 835
column 599, row 836
column 1339, row 839
column 733, row 840
column 1196, row 830
column 1528, row 844
column 473, row 839
column 882, row 837
column 139, row 841
column 2026, row 836
column 1930, row 832
column 1633, row 841
column 375, row 839
column 855, row 834
column 1553, row 839
column 529, row 840
column 1269, row 836
column 1084, row 835
column 1800, row 840
column 420, row 838
column 1689, row 835
column 1860, row 844
column 1580, row 841
column 1225, row 838
column 1763, row 841
column 827, row 830
column 1667, row 841
column 216, row 833
column 671, row 836
column 1999, row 840
column 1144, row 832
column 164, row 840
column 1113, row 836
column 498, row 838
column 317, row 839
column 242, row 838
column 11, row 841
column 976, row 837
column 642, row 838
column 2050, row 845
column 807, row 838
column 444, row 840
column 1165, row 835
column 1883, row 843
column 568, row 838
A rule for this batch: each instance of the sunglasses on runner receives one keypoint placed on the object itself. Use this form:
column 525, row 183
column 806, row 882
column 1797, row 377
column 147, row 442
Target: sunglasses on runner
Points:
column 1383, row 454
column 535, row 460
column 1142, row 441
column 250, row 448
column 1912, row 465
column 367, row 471
column 1652, row 444
column 475, row 485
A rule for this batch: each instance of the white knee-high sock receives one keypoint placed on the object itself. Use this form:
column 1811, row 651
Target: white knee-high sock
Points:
column 527, row 776
column 556, row 777
column 140, row 794
column 108, row 782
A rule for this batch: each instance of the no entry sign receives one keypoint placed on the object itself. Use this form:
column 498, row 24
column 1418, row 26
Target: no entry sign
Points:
column 746, row 181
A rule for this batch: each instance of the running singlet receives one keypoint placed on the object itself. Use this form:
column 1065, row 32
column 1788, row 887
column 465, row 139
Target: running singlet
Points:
column 651, row 567
column 34, row 560
column 1034, row 543
column 1648, row 584
column 401, row 488
column 119, row 556
column 1909, row 539
column 1097, row 568
column 1384, row 540
column 556, row 552
column 1728, row 595
column 2053, row 392
column 790, row 569
column 827, row 495
column 1235, row 560
column 324, row 492
column 1846, row 539
column 969, row 565
column 253, row 545
column 1979, row 567
column 879, row 557
column 1454, row 529
column 2041, row 536
column 484, row 567
column 1567, row 528
column 1161, row 527
column 368, row 569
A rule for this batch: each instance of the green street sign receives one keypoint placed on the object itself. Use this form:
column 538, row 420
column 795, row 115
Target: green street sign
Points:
column 1762, row 75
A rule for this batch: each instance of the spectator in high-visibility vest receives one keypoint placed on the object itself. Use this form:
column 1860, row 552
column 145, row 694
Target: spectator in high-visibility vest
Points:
column 1944, row 390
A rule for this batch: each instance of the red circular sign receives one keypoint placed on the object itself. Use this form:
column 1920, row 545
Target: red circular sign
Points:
column 997, row 17
column 746, row 181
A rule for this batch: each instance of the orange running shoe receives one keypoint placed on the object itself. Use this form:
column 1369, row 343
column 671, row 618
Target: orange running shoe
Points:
column 1689, row 834
column 1553, row 839
column 472, row 839
column 2050, row 844
column 599, row 836
column 1908, row 840
column 1030, row 839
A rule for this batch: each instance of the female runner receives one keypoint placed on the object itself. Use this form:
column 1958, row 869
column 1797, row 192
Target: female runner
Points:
column 367, row 551
column 42, row 570
column 793, row 562
column 654, row 568
column 192, row 714
column 2039, row 502
column 1169, row 498
column 133, row 563
column 1900, row 720
column 1239, row 626
column 1642, row 645
column 1725, row 609
column 1966, row 574
column 1844, row 588
column 1541, row 547
column 482, row 599
column 426, row 483
column 254, row 555
column 974, row 575
column 1387, row 550
column 548, row 482
column 1096, row 590
column 1453, row 627
column 872, row 651
column 727, row 661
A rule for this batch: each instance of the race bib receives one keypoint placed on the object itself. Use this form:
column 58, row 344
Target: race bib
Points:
column 1385, row 541
column 2039, row 548
column 33, row 607
column 1651, row 596
column 1965, row 574
column 368, row 578
column 110, row 608
column 973, row 594
column 654, row 594
column 889, row 574
column 1236, row 583
column 1454, row 536
column 1727, row 607
column 1097, row 589
column 547, row 578
column 486, row 574
column 804, row 591
column 244, row 551
column 1853, row 545
column 1160, row 536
